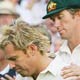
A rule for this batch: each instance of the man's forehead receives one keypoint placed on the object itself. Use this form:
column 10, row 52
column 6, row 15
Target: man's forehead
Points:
column 11, row 54
column 57, row 15
column 9, row 45
column 15, row 54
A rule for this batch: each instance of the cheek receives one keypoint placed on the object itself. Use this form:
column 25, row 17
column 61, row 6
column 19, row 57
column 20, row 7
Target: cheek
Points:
column 69, row 21
column 20, row 65
column 67, row 24
column 23, row 63
column 31, row 64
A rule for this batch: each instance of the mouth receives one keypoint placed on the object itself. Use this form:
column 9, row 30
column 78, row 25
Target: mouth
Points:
column 18, row 70
column 21, row 72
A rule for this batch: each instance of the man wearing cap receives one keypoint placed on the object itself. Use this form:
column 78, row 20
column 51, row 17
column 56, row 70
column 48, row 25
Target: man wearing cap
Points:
column 66, row 17
column 7, row 13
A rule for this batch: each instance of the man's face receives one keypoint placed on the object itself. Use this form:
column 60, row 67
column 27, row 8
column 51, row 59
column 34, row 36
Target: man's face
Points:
column 6, row 19
column 24, row 64
column 65, row 24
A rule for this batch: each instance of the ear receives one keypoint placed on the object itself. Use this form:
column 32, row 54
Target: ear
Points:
column 33, row 47
column 31, row 50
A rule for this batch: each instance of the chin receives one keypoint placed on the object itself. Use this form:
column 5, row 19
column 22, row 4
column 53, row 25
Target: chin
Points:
column 63, row 36
column 23, row 74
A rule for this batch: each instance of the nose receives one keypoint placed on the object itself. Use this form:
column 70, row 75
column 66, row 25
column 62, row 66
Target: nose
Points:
column 57, row 23
column 12, row 64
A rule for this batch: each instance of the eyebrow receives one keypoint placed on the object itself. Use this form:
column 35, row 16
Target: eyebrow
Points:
column 52, row 17
column 13, row 58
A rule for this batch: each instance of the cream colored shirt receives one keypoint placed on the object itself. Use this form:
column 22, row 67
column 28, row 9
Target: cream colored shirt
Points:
column 63, row 58
column 47, row 74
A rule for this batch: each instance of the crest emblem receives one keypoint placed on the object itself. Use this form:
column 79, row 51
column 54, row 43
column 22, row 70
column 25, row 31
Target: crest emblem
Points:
column 51, row 6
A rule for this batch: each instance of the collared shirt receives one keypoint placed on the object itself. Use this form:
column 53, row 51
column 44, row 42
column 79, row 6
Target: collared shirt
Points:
column 63, row 58
column 67, row 56
column 47, row 74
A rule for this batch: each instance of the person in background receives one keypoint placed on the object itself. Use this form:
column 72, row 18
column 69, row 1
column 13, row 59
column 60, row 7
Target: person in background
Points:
column 8, row 13
column 53, row 33
column 18, row 8
column 66, row 18
column 57, row 44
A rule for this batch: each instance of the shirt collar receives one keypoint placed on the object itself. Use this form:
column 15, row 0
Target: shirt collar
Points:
column 53, row 67
column 64, row 48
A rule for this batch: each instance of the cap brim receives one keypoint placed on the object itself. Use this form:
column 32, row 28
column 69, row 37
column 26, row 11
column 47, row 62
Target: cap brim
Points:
column 53, row 12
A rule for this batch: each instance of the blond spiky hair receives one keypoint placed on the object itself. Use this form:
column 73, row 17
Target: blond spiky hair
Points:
column 26, row 34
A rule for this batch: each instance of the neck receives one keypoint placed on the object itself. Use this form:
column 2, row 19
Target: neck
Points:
column 42, row 65
column 73, row 43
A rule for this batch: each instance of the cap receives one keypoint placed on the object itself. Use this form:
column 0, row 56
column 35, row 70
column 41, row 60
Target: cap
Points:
column 6, row 7
column 55, row 6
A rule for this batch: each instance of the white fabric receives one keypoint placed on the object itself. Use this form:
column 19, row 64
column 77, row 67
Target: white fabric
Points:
column 6, row 69
column 64, row 58
column 24, row 3
column 34, row 15
column 49, row 73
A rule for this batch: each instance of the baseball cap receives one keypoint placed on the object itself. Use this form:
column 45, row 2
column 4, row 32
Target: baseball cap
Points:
column 55, row 6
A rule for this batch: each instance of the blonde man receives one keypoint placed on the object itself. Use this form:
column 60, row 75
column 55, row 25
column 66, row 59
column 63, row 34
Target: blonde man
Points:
column 30, row 54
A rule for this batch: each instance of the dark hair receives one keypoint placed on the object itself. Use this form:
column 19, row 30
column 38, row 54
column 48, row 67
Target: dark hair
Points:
column 73, row 11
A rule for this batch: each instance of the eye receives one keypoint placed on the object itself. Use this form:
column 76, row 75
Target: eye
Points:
column 60, row 16
column 52, row 18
